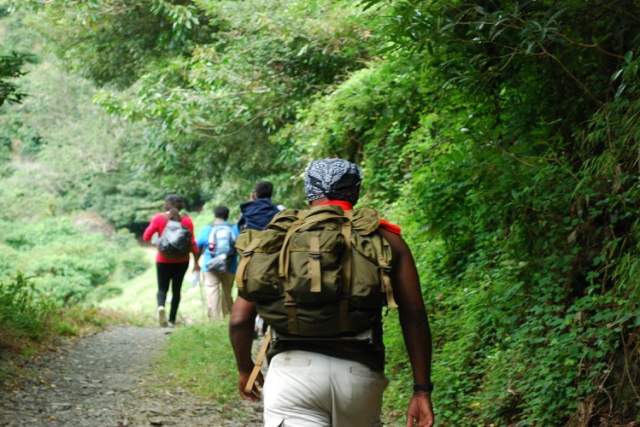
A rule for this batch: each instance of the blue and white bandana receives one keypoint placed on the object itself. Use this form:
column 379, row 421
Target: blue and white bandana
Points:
column 335, row 179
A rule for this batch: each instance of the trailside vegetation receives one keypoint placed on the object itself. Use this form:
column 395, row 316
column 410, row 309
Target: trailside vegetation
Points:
column 62, row 181
column 229, row 76
column 208, row 367
column 31, row 321
column 11, row 64
column 11, row 67
column 501, row 135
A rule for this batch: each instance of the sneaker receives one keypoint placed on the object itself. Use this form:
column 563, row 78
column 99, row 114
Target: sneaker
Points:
column 162, row 317
column 172, row 324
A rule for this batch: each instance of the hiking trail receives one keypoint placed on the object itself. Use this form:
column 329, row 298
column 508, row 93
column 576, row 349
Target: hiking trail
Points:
column 109, row 379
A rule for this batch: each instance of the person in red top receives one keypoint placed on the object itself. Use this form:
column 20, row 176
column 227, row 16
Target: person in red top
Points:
column 170, row 270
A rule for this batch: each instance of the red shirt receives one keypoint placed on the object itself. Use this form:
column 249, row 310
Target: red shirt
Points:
column 346, row 206
column 157, row 224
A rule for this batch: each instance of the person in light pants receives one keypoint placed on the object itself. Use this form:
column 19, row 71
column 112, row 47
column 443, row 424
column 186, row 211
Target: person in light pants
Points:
column 217, row 239
column 339, row 382
column 217, row 287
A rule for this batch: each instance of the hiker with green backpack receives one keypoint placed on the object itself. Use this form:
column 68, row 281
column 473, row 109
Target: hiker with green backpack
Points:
column 320, row 278
column 172, row 233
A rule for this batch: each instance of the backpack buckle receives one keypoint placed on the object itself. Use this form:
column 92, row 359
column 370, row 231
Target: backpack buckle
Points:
column 247, row 253
column 315, row 255
column 385, row 269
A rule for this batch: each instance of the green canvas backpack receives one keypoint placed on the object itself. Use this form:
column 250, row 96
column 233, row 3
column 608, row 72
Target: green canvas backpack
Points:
column 319, row 272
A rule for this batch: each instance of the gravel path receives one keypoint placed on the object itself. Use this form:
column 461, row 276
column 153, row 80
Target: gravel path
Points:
column 106, row 380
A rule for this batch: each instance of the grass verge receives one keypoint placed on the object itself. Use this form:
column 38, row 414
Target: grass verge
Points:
column 200, row 359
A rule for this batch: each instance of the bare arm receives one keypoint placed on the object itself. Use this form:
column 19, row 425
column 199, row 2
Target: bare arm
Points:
column 415, row 326
column 243, row 314
column 196, row 259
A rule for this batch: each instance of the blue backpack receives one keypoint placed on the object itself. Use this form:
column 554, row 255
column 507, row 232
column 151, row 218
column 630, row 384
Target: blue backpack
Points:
column 221, row 248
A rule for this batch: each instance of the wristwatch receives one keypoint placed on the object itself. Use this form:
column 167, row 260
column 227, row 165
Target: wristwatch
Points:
column 427, row 388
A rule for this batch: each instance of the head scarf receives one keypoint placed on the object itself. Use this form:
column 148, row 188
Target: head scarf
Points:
column 335, row 179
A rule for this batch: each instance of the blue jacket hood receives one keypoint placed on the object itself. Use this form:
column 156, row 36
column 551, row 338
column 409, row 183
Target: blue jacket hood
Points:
column 256, row 214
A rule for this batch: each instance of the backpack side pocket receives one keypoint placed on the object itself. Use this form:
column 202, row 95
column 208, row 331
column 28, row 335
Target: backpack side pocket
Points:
column 257, row 275
column 367, row 291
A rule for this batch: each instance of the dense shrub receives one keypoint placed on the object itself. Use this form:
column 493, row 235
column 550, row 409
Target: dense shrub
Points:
column 498, row 135
column 23, row 310
column 67, row 262
column 31, row 320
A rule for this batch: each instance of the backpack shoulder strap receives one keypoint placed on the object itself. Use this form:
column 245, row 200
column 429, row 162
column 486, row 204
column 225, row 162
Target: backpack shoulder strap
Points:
column 229, row 228
column 283, row 220
column 346, row 230
column 212, row 234
column 383, row 252
column 366, row 221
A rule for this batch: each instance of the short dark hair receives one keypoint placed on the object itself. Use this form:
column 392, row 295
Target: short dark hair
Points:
column 263, row 189
column 174, row 201
column 221, row 212
column 174, row 204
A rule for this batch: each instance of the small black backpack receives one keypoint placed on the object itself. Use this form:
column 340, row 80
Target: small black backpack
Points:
column 175, row 240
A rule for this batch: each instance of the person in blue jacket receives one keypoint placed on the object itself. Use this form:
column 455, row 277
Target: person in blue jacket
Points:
column 216, row 241
column 257, row 212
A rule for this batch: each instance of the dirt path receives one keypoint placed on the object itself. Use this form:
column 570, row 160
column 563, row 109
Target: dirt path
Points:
column 107, row 380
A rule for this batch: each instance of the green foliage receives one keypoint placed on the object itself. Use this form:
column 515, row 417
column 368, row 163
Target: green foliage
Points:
column 123, row 201
column 67, row 258
column 506, row 166
column 502, row 135
column 530, row 207
column 210, row 106
column 10, row 68
column 121, row 37
column 367, row 119
column 68, row 153
column 12, row 62
column 70, row 149
column 23, row 311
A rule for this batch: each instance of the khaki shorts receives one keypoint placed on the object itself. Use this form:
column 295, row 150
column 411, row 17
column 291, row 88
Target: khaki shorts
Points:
column 305, row 389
